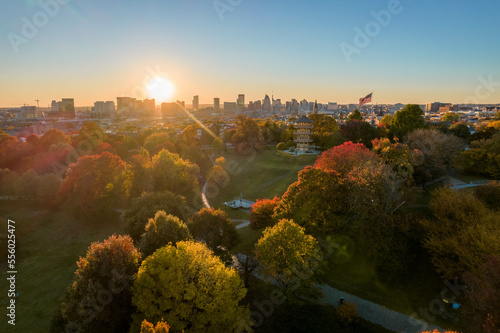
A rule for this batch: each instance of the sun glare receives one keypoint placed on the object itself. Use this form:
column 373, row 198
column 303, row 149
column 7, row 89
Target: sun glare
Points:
column 161, row 89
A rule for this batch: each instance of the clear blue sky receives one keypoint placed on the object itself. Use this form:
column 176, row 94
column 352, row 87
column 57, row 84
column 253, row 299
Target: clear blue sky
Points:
column 98, row 50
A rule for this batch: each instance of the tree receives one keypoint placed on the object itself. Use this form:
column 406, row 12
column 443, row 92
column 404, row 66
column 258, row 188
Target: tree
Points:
column 247, row 133
column 323, row 123
column 355, row 115
column 8, row 144
column 438, row 152
column 174, row 174
column 215, row 229
column 99, row 299
column 52, row 137
column 261, row 215
column 289, row 256
column 482, row 295
column 359, row 131
column 397, row 155
column 162, row 230
column 483, row 157
column 191, row 289
column 95, row 185
column 462, row 232
column 145, row 207
column 161, row 327
column 156, row 139
column 489, row 194
column 218, row 174
column 345, row 157
column 460, row 130
column 410, row 118
column 450, row 116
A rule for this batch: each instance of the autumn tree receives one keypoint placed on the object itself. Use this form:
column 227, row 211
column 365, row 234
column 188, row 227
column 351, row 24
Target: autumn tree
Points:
column 410, row 118
column 161, row 327
column 52, row 137
column 100, row 297
column 191, row 289
column 323, row 123
column 214, row 228
column 157, row 141
column 218, row 174
column 247, row 134
column 162, row 230
column 397, row 155
column 489, row 194
column 462, row 232
column 289, row 256
column 438, row 152
column 483, row 157
column 145, row 207
column 95, row 185
column 261, row 215
column 460, row 130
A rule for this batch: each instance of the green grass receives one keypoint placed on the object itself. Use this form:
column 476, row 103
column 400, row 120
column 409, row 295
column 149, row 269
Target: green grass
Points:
column 48, row 246
column 258, row 176
column 248, row 239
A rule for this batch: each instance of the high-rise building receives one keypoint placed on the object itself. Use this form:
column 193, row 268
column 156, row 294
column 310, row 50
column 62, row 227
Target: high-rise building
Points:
column 104, row 109
column 434, row 107
column 216, row 103
column 229, row 107
column 150, row 106
column 241, row 101
column 125, row 103
column 54, row 106
column 258, row 105
column 66, row 108
column 173, row 109
column 196, row 103
column 315, row 109
column 267, row 104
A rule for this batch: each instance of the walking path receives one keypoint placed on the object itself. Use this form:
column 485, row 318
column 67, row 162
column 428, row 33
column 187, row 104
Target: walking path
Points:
column 244, row 223
column 378, row 314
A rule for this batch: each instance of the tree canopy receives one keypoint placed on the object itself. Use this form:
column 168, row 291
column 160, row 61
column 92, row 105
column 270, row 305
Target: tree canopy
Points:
column 191, row 289
column 410, row 118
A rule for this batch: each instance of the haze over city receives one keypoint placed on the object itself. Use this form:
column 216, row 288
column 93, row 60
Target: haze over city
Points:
column 423, row 51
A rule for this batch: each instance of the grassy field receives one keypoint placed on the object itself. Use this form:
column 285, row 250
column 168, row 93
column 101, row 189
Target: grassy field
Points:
column 48, row 246
column 263, row 175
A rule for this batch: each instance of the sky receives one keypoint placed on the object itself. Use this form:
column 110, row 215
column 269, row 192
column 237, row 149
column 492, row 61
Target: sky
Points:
column 418, row 51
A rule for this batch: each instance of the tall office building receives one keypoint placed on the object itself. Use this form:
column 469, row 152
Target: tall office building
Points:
column 229, row 107
column 241, row 101
column 150, row 106
column 216, row 104
column 104, row 109
column 64, row 108
column 196, row 103
column 173, row 109
column 267, row 104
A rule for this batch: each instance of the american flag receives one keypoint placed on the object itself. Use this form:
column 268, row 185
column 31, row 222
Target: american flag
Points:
column 365, row 100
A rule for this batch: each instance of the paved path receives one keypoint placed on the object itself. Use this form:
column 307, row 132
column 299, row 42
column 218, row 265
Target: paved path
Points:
column 204, row 197
column 378, row 314
column 375, row 313
column 244, row 223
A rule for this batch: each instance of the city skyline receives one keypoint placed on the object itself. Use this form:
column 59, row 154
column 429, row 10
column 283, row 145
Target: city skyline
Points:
column 405, row 51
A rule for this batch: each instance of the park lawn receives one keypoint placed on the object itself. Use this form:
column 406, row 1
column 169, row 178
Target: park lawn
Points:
column 48, row 246
column 259, row 175
column 249, row 238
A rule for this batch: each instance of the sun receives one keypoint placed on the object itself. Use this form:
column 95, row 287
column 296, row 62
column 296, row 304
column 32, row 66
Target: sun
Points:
column 160, row 88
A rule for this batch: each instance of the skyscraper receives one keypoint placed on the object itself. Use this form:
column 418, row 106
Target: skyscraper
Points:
column 315, row 111
column 196, row 103
column 216, row 103
column 267, row 104
column 241, row 101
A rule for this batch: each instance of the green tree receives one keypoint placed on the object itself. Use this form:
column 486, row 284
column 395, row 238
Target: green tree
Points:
column 323, row 123
column 489, row 194
column 191, row 289
column 359, row 131
column 261, row 215
column 290, row 257
column 410, row 118
column 162, row 230
column 145, row 207
column 355, row 115
column 397, row 155
column 215, row 229
column 158, row 139
column 174, row 174
column 247, row 132
column 99, row 299
column 450, row 116
column 483, row 157
column 460, row 130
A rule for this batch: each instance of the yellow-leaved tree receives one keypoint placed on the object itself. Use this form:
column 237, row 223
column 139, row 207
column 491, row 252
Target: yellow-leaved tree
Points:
column 191, row 289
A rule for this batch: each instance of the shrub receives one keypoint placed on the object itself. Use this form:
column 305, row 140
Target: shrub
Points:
column 347, row 313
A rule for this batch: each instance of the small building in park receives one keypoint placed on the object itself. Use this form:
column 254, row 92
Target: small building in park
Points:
column 303, row 132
